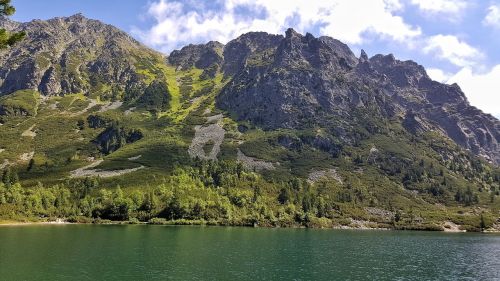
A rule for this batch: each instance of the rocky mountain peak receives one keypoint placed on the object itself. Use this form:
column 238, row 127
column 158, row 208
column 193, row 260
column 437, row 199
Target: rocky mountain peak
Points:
column 273, row 81
column 201, row 56
column 319, row 79
column 291, row 33
column 363, row 57
column 7, row 23
column 237, row 51
column 72, row 55
column 304, row 52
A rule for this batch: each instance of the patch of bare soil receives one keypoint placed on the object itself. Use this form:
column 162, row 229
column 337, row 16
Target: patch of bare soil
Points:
column 29, row 132
column 451, row 227
column 212, row 134
column 253, row 163
column 87, row 171
column 315, row 176
column 110, row 106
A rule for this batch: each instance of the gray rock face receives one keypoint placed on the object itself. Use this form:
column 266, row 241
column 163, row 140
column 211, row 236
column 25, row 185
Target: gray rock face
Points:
column 200, row 56
column 70, row 55
column 302, row 81
column 207, row 57
column 8, row 24
column 436, row 106
column 252, row 47
column 293, row 81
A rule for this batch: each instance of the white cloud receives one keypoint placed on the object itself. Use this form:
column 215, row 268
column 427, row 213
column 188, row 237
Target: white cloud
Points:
column 438, row 75
column 452, row 49
column 482, row 90
column 182, row 22
column 453, row 9
column 493, row 16
column 349, row 20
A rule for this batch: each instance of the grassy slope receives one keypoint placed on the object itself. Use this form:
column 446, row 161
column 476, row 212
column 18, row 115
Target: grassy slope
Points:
column 60, row 146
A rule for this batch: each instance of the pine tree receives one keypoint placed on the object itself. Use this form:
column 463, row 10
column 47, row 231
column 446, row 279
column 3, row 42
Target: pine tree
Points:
column 482, row 223
column 8, row 39
column 31, row 164
column 6, row 176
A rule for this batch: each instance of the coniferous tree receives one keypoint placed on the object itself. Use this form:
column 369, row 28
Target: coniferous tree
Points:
column 8, row 39
column 31, row 164
column 482, row 223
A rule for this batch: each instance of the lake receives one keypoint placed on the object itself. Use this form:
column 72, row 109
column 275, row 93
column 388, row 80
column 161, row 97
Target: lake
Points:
column 139, row 252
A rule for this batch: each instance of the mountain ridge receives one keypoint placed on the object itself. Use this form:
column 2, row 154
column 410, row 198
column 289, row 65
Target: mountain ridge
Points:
column 282, row 130
column 404, row 82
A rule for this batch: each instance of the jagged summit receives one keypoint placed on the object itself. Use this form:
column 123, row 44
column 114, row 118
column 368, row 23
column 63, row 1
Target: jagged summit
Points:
column 74, row 54
column 293, row 81
column 8, row 24
column 278, row 130
column 296, row 80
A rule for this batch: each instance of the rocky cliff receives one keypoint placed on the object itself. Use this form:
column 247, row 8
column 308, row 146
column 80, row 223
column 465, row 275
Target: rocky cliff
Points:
column 290, row 82
column 302, row 81
column 272, row 130
column 74, row 55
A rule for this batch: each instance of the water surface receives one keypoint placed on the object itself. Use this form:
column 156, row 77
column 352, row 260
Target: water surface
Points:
column 135, row 252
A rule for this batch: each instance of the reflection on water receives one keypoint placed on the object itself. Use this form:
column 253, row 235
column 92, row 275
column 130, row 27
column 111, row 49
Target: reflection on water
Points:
column 86, row 252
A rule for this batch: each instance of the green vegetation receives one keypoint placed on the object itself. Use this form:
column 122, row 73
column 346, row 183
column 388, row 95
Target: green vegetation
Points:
column 226, row 194
column 156, row 97
column 8, row 39
column 22, row 102
column 385, row 177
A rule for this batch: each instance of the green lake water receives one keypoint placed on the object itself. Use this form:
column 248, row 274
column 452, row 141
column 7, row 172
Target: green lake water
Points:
column 138, row 252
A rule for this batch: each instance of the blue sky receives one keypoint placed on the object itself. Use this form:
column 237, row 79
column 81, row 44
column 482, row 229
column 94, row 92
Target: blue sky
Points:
column 456, row 40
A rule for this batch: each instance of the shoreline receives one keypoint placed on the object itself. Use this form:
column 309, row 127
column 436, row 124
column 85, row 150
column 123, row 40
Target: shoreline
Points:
column 25, row 223
column 170, row 223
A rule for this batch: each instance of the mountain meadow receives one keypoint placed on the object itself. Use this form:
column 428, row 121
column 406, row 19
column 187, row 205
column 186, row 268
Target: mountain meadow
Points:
column 267, row 130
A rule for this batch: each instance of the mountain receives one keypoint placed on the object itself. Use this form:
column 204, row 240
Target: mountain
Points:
column 266, row 129
column 301, row 80
column 77, row 55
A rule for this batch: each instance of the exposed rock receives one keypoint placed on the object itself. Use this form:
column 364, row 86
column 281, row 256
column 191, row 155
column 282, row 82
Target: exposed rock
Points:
column 87, row 171
column 74, row 55
column 301, row 82
column 114, row 137
column 449, row 226
column 415, row 124
column 110, row 106
column 204, row 135
column 49, row 83
column 201, row 56
column 250, row 46
column 5, row 164
column 53, row 106
column 130, row 110
column 215, row 118
column 377, row 212
column 25, row 157
column 495, row 227
column 29, row 132
column 315, row 176
column 253, row 164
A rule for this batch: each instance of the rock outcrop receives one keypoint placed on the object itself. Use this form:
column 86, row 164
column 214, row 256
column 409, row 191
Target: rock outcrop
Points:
column 294, row 81
column 74, row 55
column 301, row 81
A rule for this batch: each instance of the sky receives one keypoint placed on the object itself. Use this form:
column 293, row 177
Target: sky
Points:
column 458, row 41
